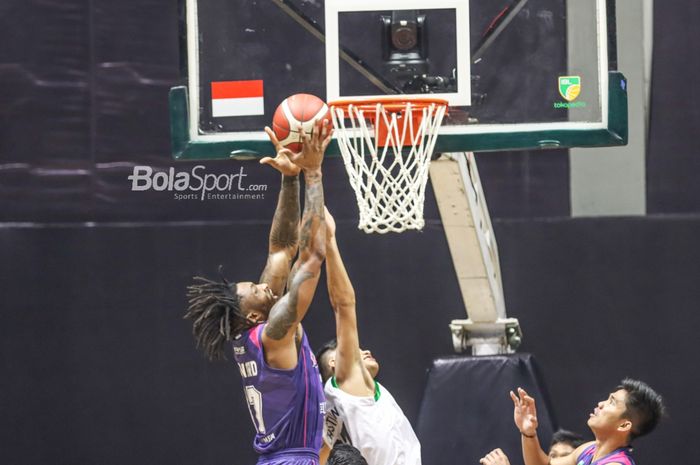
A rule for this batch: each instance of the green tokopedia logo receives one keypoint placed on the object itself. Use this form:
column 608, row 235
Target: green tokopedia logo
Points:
column 569, row 104
column 570, row 89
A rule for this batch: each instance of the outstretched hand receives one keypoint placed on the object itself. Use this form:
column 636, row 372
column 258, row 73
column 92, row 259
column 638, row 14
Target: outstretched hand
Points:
column 495, row 457
column 313, row 146
column 281, row 162
column 524, row 413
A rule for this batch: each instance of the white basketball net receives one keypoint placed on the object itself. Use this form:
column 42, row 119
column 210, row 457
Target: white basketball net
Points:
column 389, row 182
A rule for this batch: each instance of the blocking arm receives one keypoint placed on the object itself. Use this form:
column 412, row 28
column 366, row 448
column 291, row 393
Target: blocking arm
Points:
column 350, row 373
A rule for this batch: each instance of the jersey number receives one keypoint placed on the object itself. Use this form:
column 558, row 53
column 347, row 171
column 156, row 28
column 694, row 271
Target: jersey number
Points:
column 254, row 398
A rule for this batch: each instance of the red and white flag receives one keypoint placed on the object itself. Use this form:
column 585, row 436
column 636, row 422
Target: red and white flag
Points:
column 237, row 98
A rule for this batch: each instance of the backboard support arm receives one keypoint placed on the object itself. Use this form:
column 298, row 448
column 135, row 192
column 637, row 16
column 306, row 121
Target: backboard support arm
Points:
column 470, row 236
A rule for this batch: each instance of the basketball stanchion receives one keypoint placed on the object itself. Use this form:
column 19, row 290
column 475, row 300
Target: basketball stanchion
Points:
column 386, row 144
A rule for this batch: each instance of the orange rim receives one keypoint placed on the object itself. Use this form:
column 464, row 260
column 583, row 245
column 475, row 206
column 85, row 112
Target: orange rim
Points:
column 389, row 103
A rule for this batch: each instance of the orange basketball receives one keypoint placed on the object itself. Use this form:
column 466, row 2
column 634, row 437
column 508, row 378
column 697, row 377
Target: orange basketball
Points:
column 296, row 112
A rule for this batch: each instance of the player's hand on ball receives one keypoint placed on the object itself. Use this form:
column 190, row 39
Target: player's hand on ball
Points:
column 313, row 146
column 281, row 162
column 273, row 138
column 524, row 412
column 495, row 457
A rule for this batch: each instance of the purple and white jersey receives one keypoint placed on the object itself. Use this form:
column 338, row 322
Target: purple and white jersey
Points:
column 621, row 456
column 286, row 406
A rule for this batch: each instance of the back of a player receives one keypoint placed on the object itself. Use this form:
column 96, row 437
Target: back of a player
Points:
column 286, row 406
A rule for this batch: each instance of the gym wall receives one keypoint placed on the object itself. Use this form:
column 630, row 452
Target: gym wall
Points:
column 99, row 367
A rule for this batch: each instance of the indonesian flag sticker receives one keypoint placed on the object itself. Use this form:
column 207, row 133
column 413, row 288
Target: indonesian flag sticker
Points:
column 237, row 98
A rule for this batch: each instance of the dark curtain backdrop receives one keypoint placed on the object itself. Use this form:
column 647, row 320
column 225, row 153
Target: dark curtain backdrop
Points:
column 99, row 368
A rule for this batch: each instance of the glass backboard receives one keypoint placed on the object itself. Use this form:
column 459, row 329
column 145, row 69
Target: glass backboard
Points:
column 517, row 73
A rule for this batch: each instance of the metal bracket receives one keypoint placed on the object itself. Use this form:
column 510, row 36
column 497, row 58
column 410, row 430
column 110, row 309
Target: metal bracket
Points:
column 494, row 338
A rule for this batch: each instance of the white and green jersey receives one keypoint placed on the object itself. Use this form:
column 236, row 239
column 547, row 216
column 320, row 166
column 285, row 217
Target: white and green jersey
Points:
column 375, row 425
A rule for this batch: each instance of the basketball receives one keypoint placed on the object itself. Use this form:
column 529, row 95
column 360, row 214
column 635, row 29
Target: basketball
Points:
column 296, row 112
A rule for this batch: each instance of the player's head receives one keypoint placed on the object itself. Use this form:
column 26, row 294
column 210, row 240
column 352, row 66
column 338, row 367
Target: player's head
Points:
column 326, row 360
column 221, row 310
column 633, row 410
column 563, row 443
column 345, row 454
column 256, row 300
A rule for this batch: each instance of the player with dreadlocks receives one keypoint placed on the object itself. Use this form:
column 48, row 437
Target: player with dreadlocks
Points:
column 281, row 382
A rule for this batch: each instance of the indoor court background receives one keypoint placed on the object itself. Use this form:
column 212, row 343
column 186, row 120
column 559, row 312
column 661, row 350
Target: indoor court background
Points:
column 99, row 368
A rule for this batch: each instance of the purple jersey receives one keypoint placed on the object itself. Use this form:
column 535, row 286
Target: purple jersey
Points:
column 286, row 406
column 619, row 456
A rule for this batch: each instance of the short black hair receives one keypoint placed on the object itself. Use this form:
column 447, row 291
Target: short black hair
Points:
column 644, row 407
column 566, row 437
column 322, row 359
column 345, row 454
column 215, row 308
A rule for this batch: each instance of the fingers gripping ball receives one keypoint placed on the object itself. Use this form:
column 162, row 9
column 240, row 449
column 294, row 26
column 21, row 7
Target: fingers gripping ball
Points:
column 296, row 112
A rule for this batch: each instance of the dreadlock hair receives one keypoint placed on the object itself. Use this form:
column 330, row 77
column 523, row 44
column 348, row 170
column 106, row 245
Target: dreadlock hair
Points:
column 217, row 318
column 644, row 407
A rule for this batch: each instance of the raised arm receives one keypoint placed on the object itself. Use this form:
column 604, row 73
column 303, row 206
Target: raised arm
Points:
column 525, row 417
column 350, row 373
column 284, row 233
column 279, row 335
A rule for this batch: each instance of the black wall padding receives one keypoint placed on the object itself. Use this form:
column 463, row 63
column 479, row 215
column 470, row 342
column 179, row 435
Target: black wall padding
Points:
column 98, row 366
column 466, row 409
column 673, row 162
column 526, row 184
column 601, row 299
column 83, row 97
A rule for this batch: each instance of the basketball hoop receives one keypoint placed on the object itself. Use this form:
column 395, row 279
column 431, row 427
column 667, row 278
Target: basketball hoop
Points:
column 387, row 144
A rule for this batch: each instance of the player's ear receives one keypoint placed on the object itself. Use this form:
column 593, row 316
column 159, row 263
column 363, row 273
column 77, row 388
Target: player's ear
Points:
column 254, row 317
column 625, row 426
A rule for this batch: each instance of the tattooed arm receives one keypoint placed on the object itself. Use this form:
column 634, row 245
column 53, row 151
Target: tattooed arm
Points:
column 350, row 373
column 279, row 336
column 284, row 234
